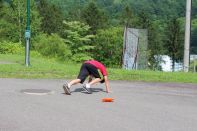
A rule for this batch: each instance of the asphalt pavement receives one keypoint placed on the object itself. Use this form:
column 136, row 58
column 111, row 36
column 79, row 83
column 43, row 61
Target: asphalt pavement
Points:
column 137, row 106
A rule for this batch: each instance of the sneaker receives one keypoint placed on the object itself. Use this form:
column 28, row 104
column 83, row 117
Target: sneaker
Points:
column 87, row 89
column 66, row 89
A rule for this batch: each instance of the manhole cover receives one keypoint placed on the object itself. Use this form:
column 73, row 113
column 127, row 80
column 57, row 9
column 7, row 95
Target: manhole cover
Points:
column 37, row 91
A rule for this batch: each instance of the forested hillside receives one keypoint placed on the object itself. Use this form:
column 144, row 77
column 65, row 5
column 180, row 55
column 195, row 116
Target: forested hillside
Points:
column 159, row 9
column 82, row 29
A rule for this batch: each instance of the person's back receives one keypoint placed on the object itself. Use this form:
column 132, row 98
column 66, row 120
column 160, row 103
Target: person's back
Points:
column 98, row 65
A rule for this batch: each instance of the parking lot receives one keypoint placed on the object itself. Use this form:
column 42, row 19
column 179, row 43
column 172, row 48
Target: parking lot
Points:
column 137, row 106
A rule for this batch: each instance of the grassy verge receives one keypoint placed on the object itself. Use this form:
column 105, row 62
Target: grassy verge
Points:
column 12, row 66
column 39, row 68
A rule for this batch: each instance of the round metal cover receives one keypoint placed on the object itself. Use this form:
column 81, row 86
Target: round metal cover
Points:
column 37, row 91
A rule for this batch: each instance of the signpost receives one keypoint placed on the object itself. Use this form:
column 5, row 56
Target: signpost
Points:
column 27, row 36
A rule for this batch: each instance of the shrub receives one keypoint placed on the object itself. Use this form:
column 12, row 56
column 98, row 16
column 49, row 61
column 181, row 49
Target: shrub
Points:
column 80, row 57
column 77, row 36
column 11, row 48
column 108, row 46
column 52, row 46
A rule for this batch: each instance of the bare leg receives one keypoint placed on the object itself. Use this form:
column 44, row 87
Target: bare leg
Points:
column 66, row 87
column 94, row 81
column 73, row 82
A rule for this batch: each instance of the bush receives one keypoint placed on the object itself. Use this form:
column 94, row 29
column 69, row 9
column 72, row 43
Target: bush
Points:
column 51, row 46
column 193, row 66
column 80, row 57
column 108, row 46
column 35, row 53
column 11, row 48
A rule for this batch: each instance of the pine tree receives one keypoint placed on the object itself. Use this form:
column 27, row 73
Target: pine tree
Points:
column 52, row 18
column 77, row 37
column 13, row 21
column 155, row 45
column 174, row 41
column 94, row 17
column 127, row 17
column 1, row 8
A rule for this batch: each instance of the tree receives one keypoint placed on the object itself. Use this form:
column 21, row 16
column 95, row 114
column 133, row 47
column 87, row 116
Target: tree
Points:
column 9, row 22
column 77, row 37
column 155, row 45
column 144, row 20
column 94, row 17
column 174, row 41
column 105, row 3
column 109, row 46
column 194, row 9
column 13, row 21
column 52, row 18
column 75, row 13
column 1, row 6
column 194, row 36
column 127, row 17
column 52, row 46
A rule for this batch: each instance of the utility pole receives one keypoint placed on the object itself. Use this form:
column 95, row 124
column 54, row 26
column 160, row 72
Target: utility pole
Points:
column 27, row 36
column 187, row 35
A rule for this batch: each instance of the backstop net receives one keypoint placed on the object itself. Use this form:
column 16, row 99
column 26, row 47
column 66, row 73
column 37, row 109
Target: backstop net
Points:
column 135, row 48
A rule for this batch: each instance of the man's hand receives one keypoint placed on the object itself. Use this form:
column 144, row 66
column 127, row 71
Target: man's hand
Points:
column 109, row 91
column 107, row 84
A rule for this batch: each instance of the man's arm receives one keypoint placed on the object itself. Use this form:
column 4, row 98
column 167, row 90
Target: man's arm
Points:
column 107, row 84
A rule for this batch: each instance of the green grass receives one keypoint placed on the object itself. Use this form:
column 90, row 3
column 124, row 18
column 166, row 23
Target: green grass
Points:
column 51, row 68
column 39, row 68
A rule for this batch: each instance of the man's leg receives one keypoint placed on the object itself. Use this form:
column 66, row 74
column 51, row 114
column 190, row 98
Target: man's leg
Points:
column 80, row 79
column 87, row 86
column 73, row 82
column 66, row 86
column 94, row 81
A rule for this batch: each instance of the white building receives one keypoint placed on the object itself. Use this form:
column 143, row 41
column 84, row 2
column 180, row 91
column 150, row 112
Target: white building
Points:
column 193, row 57
column 166, row 64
